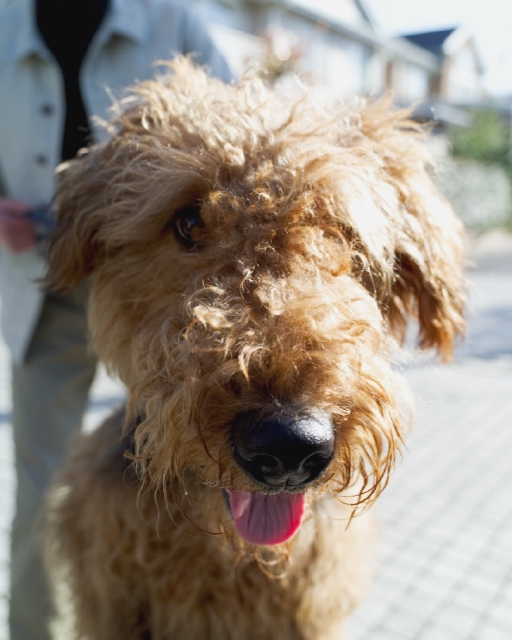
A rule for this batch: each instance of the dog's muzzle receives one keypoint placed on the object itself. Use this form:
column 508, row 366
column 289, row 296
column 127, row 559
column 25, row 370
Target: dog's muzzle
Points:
column 286, row 451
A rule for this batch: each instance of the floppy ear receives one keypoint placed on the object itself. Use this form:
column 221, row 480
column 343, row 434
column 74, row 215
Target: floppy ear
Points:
column 75, row 248
column 107, row 185
column 427, row 283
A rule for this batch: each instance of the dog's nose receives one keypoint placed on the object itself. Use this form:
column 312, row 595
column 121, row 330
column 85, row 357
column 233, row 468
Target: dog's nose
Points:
column 283, row 451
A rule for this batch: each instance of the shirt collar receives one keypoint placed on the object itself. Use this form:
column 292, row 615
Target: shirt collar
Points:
column 124, row 18
column 29, row 41
column 127, row 19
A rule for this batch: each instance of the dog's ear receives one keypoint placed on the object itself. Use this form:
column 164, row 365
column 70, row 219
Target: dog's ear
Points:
column 75, row 246
column 427, row 282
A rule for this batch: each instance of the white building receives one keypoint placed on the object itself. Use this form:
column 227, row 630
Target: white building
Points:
column 335, row 45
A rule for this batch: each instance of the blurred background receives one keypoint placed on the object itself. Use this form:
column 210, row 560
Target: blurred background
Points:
column 451, row 59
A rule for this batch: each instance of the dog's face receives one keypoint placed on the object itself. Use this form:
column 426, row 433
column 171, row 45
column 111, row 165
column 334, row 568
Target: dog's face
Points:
column 251, row 260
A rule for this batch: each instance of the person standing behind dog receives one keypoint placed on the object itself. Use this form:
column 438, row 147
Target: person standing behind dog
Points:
column 56, row 59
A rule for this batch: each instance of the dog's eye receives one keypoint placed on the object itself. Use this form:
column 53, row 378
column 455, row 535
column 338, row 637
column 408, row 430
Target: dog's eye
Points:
column 186, row 224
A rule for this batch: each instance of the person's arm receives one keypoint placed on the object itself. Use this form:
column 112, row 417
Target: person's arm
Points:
column 17, row 232
column 199, row 41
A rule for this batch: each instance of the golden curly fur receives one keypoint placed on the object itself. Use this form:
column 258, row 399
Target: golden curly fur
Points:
column 311, row 234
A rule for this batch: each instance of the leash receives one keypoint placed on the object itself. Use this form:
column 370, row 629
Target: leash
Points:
column 43, row 218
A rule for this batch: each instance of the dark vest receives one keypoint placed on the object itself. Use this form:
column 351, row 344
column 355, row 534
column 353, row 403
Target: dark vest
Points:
column 68, row 27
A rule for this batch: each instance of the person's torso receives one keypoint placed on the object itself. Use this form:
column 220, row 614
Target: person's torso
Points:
column 32, row 96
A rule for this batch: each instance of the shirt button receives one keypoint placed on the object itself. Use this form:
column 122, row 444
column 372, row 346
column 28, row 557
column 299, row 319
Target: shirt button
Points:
column 41, row 159
column 47, row 109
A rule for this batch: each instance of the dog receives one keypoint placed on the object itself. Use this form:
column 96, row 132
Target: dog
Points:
column 253, row 259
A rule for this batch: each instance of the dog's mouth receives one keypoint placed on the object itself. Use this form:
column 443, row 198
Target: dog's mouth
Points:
column 266, row 519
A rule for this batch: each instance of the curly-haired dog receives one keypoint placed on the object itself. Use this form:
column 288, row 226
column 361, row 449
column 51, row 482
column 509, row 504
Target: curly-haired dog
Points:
column 252, row 260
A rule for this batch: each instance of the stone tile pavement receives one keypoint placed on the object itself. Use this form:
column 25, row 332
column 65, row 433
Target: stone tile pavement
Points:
column 446, row 517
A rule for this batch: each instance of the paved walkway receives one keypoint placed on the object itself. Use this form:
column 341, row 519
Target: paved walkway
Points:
column 446, row 517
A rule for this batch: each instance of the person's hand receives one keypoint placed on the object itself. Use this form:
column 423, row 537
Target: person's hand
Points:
column 17, row 232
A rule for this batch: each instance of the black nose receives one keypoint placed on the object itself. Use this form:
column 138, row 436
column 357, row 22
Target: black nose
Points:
column 283, row 451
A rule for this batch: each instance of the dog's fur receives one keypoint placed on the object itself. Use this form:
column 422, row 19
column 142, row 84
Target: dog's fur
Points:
column 320, row 235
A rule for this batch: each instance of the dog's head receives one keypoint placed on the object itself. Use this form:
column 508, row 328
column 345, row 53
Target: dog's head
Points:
column 251, row 259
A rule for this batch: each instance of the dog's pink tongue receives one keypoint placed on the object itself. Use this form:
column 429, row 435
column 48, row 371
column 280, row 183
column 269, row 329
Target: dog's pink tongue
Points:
column 266, row 519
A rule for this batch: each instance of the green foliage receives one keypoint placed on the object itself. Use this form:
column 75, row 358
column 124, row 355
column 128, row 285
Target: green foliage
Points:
column 488, row 140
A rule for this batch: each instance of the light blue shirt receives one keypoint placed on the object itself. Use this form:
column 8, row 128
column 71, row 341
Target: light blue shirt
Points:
column 132, row 37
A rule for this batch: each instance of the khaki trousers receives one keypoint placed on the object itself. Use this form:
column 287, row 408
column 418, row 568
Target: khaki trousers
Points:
column 50, row 391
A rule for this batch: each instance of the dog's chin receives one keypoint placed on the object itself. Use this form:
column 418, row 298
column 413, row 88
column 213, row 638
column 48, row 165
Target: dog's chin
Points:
column 265, row 519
